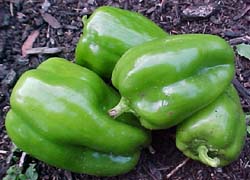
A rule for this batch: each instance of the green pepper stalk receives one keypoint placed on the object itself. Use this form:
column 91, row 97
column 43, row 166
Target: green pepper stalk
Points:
column 216, row 134
column 59, row 115
column 167, row 80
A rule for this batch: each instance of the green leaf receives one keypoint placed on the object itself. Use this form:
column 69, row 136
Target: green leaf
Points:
column 248, row 129
column 22, row 177
column 31, row 173
column 13, row 173
column 243, row 50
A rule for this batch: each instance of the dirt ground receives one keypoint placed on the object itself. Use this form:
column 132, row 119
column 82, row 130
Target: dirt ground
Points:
column 229, row 19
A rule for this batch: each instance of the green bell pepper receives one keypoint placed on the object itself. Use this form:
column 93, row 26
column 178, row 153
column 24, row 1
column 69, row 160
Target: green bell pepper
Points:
column 167, row 80
column 216, row 134
column 59, row 115
column 110, row 32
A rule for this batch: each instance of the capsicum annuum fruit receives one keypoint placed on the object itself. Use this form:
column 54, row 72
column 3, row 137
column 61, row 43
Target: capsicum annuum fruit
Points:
column 59, row 115
column 167, row 80
column 110, row 32
column 216, row 134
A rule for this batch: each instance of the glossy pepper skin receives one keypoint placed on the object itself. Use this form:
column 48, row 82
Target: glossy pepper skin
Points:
column 59, row 115
column 216, row 134
column 110, row 32
column 167, row 80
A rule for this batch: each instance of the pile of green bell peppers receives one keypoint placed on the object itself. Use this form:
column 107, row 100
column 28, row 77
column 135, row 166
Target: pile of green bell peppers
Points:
column 67, row 116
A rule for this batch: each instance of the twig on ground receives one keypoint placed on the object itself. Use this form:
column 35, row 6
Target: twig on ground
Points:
column 177, row 168
column 204, row 29
column 242, row 90
column 149, row 173
column 3, row 152
column 239, row 40
column 22, row 160
column 13, row 149
column 48, row 32
column 11, row 9
column 29, row 42
column 242, row 14
column 68, row 175
column 44, row 50
column 163, row 2
column 51, row 20
column 247, row 165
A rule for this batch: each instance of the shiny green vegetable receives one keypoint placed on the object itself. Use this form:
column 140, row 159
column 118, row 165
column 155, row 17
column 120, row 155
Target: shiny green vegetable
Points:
column 167, row 80
column 216, row 134
column 110, row 32
column 59, row 115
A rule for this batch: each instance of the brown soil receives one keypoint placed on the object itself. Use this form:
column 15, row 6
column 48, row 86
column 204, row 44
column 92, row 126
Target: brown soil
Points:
column 230, row 19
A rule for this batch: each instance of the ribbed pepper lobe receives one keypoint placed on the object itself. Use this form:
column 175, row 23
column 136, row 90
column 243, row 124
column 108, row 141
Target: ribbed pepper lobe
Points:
column 108, row 34
column 63, row 107
column 167, row 80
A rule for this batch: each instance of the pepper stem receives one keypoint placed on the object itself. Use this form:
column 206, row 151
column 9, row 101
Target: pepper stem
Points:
column 84, row 20
column 120, row 108
column 214, row 162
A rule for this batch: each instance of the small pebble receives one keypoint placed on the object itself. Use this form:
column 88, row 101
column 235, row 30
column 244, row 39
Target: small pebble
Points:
column 247, row 85
column 22, row 60
column 34, row 62
column 219, row 170
column 6, row 109
column 59, row 32
column 10, row 78
column 23, row 20
column 203, row 11
column 150, row 10
column 4, row 18
column 91, row 2
column 39, row 21
column 1, row 96
column 3, row 71
column 214, row 20
column 45, row 6
column 248, row 18
column 230, row 33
